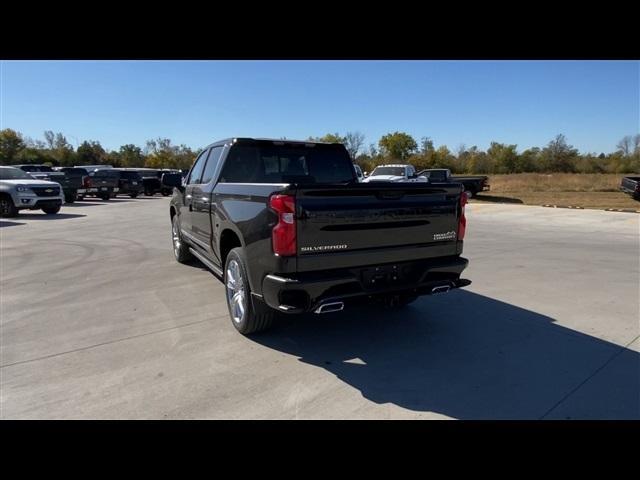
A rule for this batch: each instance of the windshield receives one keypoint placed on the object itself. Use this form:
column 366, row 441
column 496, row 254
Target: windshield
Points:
column 14, row 174
column 36, row 168
column 436, row 175
column 397, row 171
column 268, row 163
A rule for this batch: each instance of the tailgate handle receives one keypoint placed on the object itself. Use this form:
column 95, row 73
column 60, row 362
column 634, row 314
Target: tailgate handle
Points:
column 391, row 195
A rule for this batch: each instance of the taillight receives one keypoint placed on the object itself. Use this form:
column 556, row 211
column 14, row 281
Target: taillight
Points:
column 462, row 223
column 283, row 235
column 86, row 181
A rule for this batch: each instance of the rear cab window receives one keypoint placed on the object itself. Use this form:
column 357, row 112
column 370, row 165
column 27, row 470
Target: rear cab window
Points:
column 283, row 162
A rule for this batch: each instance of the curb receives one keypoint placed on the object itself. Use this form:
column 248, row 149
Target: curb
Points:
column 625, row 210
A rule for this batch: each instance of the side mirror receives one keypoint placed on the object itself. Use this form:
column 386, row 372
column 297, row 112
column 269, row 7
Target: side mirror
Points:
column 172, row 180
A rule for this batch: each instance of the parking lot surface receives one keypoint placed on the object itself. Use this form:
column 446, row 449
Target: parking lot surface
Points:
column 99, row 321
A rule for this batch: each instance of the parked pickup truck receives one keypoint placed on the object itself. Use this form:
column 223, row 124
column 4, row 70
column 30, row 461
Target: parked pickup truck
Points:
column 129, row 182
column 20, row 191
column 394, row 173
column 74, row 182
column 631, row 185
column 70, row 184
column 472, row 184
column 290, row 229
column 103, row 183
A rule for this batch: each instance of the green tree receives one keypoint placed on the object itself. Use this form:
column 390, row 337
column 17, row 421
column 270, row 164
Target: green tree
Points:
column 353, row 142
column 91, row 153
column 131, row 155
column 397, row 145
column 558, row 156
column 11, row 144
column 58, row 148
column 504, row 157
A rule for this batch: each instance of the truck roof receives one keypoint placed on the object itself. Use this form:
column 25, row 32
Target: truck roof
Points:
column 232, row 140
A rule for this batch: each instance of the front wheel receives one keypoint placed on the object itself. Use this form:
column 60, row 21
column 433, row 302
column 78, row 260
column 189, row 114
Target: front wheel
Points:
column 7, row 208
column 51, row 210
column 238, row 294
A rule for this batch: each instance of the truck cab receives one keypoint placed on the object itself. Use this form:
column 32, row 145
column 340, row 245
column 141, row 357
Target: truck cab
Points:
column 394, row 173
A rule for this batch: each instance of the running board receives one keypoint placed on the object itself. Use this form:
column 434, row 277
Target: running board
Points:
column 206, row 262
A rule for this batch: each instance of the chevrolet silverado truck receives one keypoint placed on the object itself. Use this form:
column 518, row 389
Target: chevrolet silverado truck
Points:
column 394, row 173
column 472, row 184
column 289, row 229
column 73, row 183
column 103, row 183
column 20, row 191
column 631, row 186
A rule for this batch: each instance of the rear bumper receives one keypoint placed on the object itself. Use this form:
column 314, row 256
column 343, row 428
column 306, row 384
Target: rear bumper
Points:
column 305, row 292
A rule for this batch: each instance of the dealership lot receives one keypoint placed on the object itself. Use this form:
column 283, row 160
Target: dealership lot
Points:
column 99, row 321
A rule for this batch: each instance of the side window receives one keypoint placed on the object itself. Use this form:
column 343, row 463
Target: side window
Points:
column 212, row 164
column 196, row 170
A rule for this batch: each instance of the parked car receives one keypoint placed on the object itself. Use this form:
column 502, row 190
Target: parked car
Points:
column 394, row 173
column 631, row 185
column 290, row 230
column 103, row 183
column 129, row 182
column 472, row 184
column 20, row 191
column 74, row 183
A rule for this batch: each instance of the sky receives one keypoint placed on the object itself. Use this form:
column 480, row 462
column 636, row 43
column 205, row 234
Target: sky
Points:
column 593, row 103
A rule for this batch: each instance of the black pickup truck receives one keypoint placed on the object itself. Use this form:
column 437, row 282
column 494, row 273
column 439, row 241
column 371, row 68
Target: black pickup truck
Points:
column 103, row 183
column 631, row 185
column 290, row 229
column 472, row 184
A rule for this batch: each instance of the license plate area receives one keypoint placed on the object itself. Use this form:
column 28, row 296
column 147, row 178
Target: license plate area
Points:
column 386, row 276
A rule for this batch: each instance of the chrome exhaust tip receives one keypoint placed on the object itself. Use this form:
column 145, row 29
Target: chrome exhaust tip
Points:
column 329, row 307
column 440, row 289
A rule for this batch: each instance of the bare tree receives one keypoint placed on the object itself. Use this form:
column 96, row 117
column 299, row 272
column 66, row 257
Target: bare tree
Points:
column 353, row 141
column 624, row 145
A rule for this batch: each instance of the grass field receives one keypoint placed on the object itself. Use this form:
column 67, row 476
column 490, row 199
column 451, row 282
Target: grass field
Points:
column 562, row 189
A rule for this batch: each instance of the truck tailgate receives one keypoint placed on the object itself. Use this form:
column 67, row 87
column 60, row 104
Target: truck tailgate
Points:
column 360, row 224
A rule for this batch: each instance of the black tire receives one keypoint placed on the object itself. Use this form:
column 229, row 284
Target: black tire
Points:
column 105, row 197
column 80, row 197
column 250, row 321
column 70, row 198
column 51, row 210
column 180, row 248
column 147, row 193
column 7, row 208
column 133, row 195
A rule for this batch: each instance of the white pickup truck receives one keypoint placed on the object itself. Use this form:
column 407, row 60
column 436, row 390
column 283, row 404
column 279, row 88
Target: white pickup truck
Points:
column 394, row 173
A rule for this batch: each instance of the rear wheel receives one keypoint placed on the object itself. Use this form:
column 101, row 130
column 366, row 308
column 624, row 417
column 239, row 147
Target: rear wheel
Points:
column 180, row 249
column 238, row 294
column 133, row 195
column 7, row 208
column 148, row 193
column 51, row 210
column 105, row 196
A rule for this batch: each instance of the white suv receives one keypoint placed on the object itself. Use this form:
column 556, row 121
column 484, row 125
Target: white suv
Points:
column 20, row 191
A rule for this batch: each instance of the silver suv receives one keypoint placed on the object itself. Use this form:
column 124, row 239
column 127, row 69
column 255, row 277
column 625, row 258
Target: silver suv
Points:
column 20, row 191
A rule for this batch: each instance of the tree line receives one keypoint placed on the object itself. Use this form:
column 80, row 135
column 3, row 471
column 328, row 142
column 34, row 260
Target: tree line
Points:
column 397, row 147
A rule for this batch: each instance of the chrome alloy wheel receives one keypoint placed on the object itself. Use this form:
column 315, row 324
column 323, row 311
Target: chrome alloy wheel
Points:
column 236, row 292
column 176, row 238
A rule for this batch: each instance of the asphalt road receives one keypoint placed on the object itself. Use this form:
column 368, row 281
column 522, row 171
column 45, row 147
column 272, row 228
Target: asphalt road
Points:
column 99, row 321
